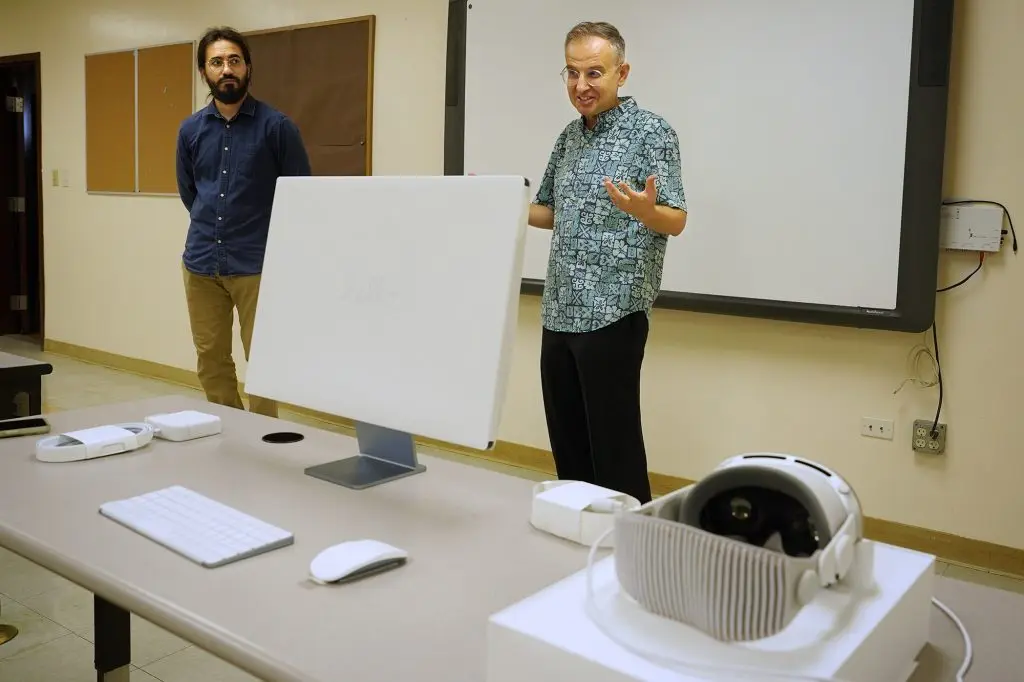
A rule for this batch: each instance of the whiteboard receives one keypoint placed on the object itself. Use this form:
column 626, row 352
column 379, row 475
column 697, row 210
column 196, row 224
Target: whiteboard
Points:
column 392, row 301
column 792, row 118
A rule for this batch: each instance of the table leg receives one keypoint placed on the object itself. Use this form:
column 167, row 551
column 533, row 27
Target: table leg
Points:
column 113, row 645
column 21, row 399
column 35, row 398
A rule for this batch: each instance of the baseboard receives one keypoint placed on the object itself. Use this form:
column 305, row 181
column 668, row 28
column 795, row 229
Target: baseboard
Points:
column 946, row 546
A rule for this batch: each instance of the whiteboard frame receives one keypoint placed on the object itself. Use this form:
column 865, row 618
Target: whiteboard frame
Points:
column 928, row 95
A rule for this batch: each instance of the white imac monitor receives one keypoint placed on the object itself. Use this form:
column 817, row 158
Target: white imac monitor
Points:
column 391, row 301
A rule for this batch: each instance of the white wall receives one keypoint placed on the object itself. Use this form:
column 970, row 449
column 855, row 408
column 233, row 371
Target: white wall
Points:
column 713, row 386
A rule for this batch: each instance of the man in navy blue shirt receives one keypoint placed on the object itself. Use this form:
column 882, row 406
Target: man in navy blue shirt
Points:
column 230, row 155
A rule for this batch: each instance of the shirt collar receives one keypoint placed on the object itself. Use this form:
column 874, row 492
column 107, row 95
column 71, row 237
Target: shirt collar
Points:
column 606, row 119
column 248, row 107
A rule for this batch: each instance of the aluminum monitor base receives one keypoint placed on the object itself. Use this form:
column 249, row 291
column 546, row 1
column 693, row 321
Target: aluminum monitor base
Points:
column 385, row 455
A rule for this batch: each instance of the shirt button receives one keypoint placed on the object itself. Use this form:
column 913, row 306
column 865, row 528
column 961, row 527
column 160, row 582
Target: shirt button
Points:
column 225, row 148
column 219, row 218
column 218, row 241
column 224, row 171
column 222, row 196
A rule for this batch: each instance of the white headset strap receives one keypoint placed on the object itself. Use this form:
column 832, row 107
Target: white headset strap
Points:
column 707, row 671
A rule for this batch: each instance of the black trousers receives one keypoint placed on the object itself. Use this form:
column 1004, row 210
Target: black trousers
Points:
column 591, row 387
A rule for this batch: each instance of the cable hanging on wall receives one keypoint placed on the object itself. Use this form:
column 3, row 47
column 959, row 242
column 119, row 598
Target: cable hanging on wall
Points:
column 921, row 351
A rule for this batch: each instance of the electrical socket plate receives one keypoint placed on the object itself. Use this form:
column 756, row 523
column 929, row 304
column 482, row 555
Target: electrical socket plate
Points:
column 873, row 427
column 921, row 438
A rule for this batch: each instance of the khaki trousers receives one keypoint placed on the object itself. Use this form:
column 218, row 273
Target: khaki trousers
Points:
column 211, row 305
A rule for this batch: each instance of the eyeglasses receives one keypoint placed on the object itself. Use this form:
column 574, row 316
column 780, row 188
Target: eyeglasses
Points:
column 572, row 76
column 234, row 61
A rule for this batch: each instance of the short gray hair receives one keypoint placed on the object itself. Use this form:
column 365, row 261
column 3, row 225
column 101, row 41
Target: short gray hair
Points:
column 599, row 29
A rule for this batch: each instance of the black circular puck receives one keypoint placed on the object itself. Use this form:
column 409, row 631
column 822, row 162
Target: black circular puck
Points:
column 282, row 437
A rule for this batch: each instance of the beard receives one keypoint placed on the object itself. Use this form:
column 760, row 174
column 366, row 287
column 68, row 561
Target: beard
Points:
column 229, row 89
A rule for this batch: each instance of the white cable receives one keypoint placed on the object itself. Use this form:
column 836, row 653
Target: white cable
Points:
column 711, row 671
column 961, row 674
column 915, row 374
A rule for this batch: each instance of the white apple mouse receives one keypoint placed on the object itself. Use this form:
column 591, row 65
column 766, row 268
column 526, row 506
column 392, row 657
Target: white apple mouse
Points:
column 354, row 559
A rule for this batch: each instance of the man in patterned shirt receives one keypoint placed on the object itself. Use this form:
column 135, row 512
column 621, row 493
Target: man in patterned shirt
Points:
column 612, row 195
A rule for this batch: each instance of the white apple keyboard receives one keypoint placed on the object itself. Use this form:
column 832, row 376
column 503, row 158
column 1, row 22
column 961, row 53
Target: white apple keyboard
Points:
column 200, row 529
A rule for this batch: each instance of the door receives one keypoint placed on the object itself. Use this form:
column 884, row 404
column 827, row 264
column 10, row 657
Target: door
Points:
column 14, row 251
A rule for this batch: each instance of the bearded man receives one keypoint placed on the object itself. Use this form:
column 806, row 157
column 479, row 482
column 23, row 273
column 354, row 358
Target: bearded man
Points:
column 229, row 156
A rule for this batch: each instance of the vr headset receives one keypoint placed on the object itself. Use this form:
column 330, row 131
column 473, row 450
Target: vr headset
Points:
column 739, row 553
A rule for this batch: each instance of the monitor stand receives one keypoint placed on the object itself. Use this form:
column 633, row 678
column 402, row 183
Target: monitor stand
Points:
column 384, row 455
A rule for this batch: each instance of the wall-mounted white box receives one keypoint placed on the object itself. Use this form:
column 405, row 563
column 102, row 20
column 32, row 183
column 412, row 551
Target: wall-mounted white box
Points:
column 971, row 227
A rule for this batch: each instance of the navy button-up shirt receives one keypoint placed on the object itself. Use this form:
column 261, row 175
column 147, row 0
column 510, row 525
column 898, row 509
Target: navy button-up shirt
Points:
column 227, row 173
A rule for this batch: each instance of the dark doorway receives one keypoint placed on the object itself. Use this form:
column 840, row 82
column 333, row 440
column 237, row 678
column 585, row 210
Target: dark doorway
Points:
column 21, row 205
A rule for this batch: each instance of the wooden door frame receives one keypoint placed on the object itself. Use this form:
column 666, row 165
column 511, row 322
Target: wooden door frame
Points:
column 35, row 60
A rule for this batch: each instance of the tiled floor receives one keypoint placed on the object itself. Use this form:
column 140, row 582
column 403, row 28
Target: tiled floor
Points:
column 54, row 616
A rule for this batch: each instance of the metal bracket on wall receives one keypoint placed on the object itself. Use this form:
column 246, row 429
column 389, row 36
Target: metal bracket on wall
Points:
column 16, row 204
column 15, row 104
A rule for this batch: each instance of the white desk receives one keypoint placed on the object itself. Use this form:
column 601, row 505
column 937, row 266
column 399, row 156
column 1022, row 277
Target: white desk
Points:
column 472, row 551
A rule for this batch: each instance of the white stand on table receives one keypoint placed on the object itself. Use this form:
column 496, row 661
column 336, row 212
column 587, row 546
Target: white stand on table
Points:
column 549, row 637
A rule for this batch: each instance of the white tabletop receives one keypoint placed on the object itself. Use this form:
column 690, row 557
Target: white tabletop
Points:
column 472, row 549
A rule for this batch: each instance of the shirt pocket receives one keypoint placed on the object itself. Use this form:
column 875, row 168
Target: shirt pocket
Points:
column 250, row 161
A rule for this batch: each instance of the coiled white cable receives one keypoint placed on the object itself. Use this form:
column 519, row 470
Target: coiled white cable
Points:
column 712, row 671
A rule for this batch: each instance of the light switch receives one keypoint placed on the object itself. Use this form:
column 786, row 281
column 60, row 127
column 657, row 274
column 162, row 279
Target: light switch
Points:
column 56, row 177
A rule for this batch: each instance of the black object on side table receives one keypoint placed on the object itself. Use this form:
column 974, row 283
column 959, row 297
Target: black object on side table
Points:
column 21, row 386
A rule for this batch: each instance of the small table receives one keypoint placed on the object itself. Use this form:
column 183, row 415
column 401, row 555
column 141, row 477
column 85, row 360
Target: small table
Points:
column 21, row 385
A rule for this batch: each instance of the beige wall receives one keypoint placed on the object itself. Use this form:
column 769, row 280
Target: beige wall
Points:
column 713, row 386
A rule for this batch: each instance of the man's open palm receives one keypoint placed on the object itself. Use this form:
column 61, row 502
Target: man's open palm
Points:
column 637, row 204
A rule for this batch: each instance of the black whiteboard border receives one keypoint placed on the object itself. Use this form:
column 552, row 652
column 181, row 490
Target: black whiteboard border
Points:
column 922, row 185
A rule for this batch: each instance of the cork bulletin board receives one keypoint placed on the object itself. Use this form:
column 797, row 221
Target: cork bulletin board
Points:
column 166, row 90
column 110, row 122
column 135, row 100
column 321, row 76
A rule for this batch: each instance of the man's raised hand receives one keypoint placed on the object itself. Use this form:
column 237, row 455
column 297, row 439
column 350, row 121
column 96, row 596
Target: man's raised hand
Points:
column 641, row 204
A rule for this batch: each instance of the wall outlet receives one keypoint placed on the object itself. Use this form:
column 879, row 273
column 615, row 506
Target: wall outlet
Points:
column 873, row 427
column 922, row 440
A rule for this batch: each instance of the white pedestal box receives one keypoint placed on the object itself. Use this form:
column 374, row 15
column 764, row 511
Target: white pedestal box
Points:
column 549, row 636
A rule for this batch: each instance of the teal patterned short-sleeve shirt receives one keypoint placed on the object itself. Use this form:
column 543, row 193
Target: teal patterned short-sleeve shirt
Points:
column 604, row 264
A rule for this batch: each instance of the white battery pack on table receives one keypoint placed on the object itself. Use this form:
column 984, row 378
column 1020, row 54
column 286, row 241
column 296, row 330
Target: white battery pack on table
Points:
column 578, row 511
column 185, row 425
